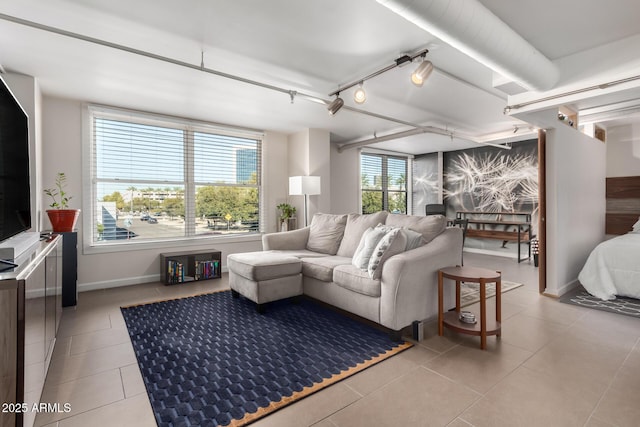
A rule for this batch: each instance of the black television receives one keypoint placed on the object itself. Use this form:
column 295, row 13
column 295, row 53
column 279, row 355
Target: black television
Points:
column 15, row 193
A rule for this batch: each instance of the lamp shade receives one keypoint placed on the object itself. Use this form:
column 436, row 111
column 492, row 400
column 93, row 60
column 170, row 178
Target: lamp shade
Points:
column 300, row 185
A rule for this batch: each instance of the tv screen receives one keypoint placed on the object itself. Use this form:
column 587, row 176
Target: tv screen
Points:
column 15, row 195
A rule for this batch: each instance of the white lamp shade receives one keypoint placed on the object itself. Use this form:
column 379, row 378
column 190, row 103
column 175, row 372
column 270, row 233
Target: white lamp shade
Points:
column 300, row 185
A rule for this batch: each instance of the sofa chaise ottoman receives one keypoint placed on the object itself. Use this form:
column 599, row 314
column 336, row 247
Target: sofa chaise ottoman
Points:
column 263, row 277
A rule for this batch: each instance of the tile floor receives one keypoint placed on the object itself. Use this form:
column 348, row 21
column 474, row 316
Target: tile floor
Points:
column 556, row 365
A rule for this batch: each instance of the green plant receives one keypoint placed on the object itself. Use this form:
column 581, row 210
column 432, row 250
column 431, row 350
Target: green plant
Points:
column 58, row 195
column 286, row 211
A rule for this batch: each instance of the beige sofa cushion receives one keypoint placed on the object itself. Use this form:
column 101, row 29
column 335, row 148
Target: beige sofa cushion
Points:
column 356, row 226
column 259, row 266
column 428, row 226
column 322, row 268
column 356, row 280
column 326, row 233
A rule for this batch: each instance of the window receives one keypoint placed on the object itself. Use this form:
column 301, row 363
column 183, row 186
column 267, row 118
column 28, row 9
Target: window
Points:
column 383, row 183
column 160, row 179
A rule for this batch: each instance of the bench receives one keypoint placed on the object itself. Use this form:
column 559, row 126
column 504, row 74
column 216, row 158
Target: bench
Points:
column 505, row 230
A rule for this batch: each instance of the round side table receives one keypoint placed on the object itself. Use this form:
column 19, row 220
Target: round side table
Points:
column 451, row 319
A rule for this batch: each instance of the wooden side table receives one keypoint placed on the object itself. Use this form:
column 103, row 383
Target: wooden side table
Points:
column 451, row 319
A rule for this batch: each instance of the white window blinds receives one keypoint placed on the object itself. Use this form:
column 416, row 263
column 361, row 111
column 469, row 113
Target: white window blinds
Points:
column 155, row 180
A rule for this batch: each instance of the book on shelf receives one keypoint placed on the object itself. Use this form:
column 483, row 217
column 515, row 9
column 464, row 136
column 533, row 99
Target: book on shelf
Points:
column 207, row 269
column 175, row 272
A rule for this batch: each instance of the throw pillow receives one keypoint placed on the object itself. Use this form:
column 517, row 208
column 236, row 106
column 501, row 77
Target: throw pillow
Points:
column 365, row 248
column 356, row 226
column 428, row 226
column 325, row 233
column 414, row 239
column 391, row 244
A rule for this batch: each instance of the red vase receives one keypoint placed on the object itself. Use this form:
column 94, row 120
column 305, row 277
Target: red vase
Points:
column 63, row 219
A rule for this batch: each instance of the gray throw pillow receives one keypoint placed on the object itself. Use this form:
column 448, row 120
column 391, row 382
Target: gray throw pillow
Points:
column 414, row 239
column 429, row 226
column 325, row 233
column 365, row 248
column 391, row 244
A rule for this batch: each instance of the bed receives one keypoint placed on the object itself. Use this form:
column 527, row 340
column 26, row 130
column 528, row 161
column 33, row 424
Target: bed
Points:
column 613, row 268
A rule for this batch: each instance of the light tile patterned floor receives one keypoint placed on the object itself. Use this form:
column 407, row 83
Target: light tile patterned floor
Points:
column 555, row 365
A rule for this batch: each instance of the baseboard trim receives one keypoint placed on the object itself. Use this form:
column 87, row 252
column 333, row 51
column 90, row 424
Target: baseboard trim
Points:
column 568, row 287
column 117, row 283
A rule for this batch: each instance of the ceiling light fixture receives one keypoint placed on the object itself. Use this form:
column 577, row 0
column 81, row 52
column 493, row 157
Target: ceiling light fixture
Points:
column 359, row 96
column 422, row 73
column 335, row 105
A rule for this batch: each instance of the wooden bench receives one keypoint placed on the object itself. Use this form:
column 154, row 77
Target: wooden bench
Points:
column 508, row 231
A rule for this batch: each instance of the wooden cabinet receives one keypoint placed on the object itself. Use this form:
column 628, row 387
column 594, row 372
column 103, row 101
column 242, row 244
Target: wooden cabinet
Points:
column 31, row 309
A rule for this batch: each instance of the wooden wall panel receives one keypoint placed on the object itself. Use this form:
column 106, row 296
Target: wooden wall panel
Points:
column 627, row 187
column 618, row 223
column 623, row 204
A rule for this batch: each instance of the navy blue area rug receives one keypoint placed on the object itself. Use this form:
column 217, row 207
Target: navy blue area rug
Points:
column 212, row 360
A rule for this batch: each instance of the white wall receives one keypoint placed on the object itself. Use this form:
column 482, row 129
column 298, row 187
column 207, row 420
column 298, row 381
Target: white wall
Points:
column 345, row 179
column 309, row 154
column 27, row 91
column 623, row 150
column 62, row 151
column 576, row 173
column 275, row 179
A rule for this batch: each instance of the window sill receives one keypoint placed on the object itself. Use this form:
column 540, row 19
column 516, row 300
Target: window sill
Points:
column 194, row 242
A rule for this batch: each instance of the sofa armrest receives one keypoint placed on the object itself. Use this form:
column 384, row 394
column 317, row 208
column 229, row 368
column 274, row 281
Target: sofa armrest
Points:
column 410, row 280
column 295, row 239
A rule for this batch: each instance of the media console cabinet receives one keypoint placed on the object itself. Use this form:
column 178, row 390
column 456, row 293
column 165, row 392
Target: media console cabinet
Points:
column 504, row 226
column 30, row 312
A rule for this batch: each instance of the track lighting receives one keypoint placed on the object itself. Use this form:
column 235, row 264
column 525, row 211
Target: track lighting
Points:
column 359, row 96
column 422, row 73
column 335, row 105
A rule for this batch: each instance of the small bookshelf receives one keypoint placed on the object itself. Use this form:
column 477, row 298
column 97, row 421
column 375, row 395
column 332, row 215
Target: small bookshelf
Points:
column 183, row 267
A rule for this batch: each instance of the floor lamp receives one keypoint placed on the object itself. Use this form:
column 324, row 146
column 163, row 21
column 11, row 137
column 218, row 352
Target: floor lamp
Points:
column 304, row 186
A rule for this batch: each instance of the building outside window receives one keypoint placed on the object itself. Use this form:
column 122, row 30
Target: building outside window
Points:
column 156, row 179
column 383, row 183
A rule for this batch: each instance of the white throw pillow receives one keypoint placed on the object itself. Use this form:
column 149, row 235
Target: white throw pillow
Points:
column 414, row 239
column 391, row 244
column 368, row 243
column 636, row 226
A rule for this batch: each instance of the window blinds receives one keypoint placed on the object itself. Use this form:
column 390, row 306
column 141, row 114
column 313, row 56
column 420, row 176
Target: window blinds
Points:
column 171, row 180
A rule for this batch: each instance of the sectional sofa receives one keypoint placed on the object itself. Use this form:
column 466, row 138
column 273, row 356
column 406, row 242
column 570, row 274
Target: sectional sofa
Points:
column 389, row 276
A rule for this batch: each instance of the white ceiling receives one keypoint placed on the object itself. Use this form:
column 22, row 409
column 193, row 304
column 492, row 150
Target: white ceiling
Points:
column 305, row 46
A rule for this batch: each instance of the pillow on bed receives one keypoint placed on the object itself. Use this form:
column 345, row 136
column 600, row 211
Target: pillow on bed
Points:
column 636, row 227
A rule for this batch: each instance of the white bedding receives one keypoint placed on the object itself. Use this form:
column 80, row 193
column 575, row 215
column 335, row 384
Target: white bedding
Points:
column 613, row 268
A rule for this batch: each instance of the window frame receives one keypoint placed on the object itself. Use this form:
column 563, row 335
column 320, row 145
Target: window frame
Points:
column 385, row 155
column 90, row 182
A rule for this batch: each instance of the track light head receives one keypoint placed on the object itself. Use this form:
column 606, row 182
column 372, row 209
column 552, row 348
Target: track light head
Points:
column 359, row 96
column 422, row 73
column 335, row 105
